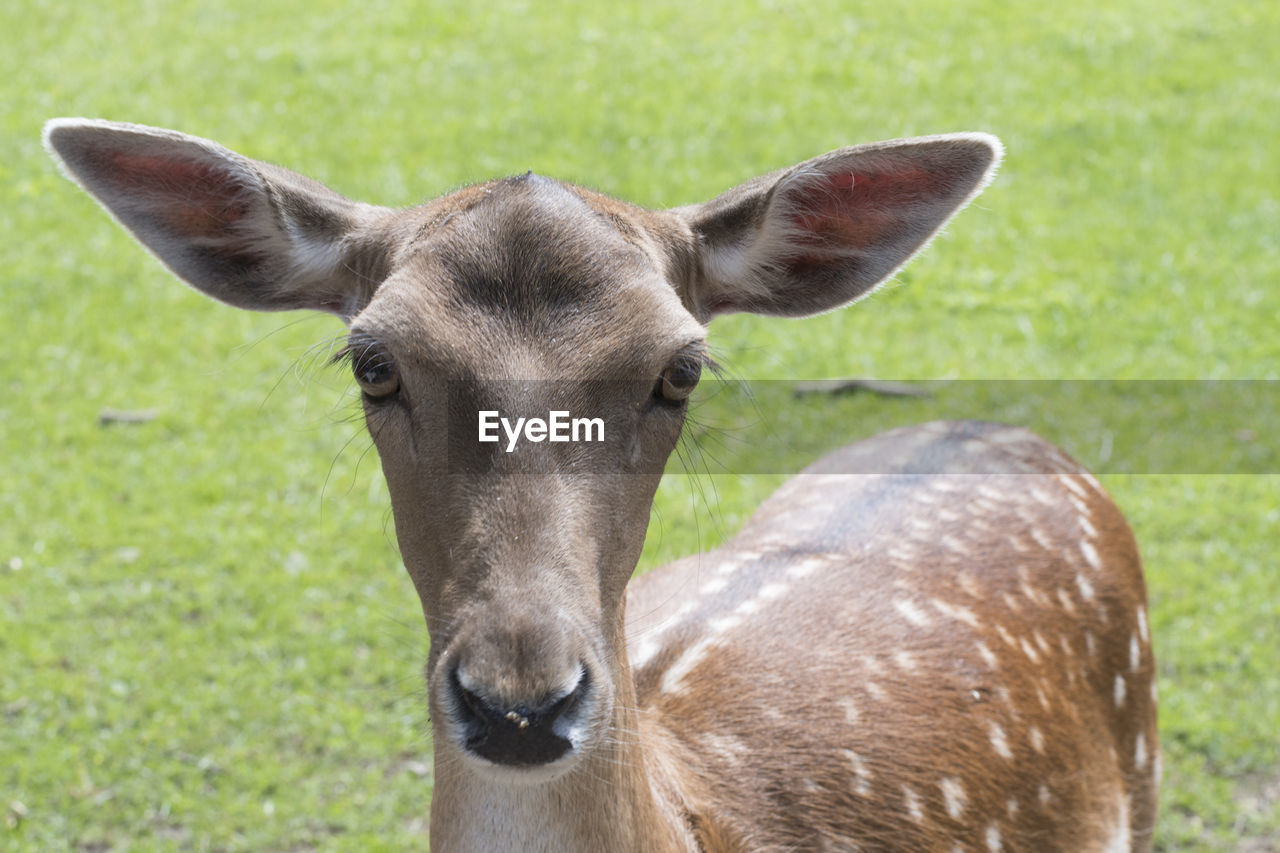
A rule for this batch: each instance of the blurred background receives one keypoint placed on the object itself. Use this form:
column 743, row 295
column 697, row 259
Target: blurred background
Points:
column 206, row 637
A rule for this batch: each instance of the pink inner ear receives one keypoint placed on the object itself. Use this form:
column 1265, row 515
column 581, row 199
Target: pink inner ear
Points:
column 190, row 198
column 852, row 210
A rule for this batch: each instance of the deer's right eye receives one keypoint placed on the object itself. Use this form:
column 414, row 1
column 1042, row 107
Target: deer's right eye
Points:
column 376, row 372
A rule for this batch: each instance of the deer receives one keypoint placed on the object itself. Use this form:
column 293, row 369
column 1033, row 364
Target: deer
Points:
column 935, row 638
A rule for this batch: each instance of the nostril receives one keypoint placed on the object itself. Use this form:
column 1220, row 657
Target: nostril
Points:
column 566, row 704
column 476, row 707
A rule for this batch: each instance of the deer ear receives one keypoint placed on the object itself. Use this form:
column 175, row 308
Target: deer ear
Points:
column 828, row 231
column 247, row 233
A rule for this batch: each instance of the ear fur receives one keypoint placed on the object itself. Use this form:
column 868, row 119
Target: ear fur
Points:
column 247, row 233
column 828, row 231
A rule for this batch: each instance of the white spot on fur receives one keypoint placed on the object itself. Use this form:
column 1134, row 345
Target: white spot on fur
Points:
column 915, row 808
column 1121, row 838
column 772, row 591
column 748, row 607
column 1140, row 753
column 988, row 656
column 1043, row 697
column 851, row 714
column 1029, row 651
column 691, row 657
column 990, row 493
column 953, row 796
column 725, row 623
column 1119, row 691
column 876, row 691
column 951, row 543
column 959, row 613
column 861, row 773
column 724, row 745
column 1091, row 643
column 1037, row 739
column 1073, row 486
column 979, row 525
column 1010, row 602
column 1065, row 645
column 1006, row 636
column 1135, row 654
column 1086, row 588
column 1043, row 794
column 644, row 652
column 1011, row 807
column 1142, row 623
column 728, row 567
column 1041, row 496
column 969, row 585
column 904, row 554
column 1087, row 526
column 999, row 742
column 920, row 525
column 713, row 586
column 1033, row 595
column 1090, row 555
column 780, row 538
column 993, row 839
column 1043, row 541
column 905, row 661
column 911, row 612
column 804, row 568
column 1041, row 642
column 1067, row 603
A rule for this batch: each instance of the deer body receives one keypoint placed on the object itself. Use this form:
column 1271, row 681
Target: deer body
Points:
column 960, row 635
column 953, row 654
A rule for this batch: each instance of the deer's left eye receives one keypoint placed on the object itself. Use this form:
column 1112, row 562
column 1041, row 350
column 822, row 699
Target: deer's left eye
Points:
column 679, row 379
column 376, row 372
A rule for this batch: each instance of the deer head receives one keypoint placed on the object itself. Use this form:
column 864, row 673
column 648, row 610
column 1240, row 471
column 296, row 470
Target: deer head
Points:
column 524, row 293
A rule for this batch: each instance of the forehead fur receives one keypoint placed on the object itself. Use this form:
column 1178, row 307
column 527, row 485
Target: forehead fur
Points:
column 526, row 266
column 529, row 248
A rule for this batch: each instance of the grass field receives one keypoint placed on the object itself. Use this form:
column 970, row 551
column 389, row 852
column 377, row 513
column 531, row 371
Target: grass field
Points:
column 206, row 638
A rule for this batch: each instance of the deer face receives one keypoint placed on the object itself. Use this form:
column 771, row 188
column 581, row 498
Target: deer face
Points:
column 523, row 300
column 520, row 297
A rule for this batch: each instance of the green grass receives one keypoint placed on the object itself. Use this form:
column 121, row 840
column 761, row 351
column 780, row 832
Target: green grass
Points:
column 206, row 639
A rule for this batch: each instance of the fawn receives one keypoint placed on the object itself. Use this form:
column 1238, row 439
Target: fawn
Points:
column 953, row 654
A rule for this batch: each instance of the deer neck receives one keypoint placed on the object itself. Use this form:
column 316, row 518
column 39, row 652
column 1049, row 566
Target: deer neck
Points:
column 624, row 795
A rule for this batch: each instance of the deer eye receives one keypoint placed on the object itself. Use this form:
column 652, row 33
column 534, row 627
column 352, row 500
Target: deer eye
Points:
column 679, row 379
column 375, row 372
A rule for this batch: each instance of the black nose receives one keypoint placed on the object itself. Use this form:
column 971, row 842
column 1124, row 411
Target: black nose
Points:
column 520, row 735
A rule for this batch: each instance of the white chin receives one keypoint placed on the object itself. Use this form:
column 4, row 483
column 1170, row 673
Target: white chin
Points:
column 535, row 774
